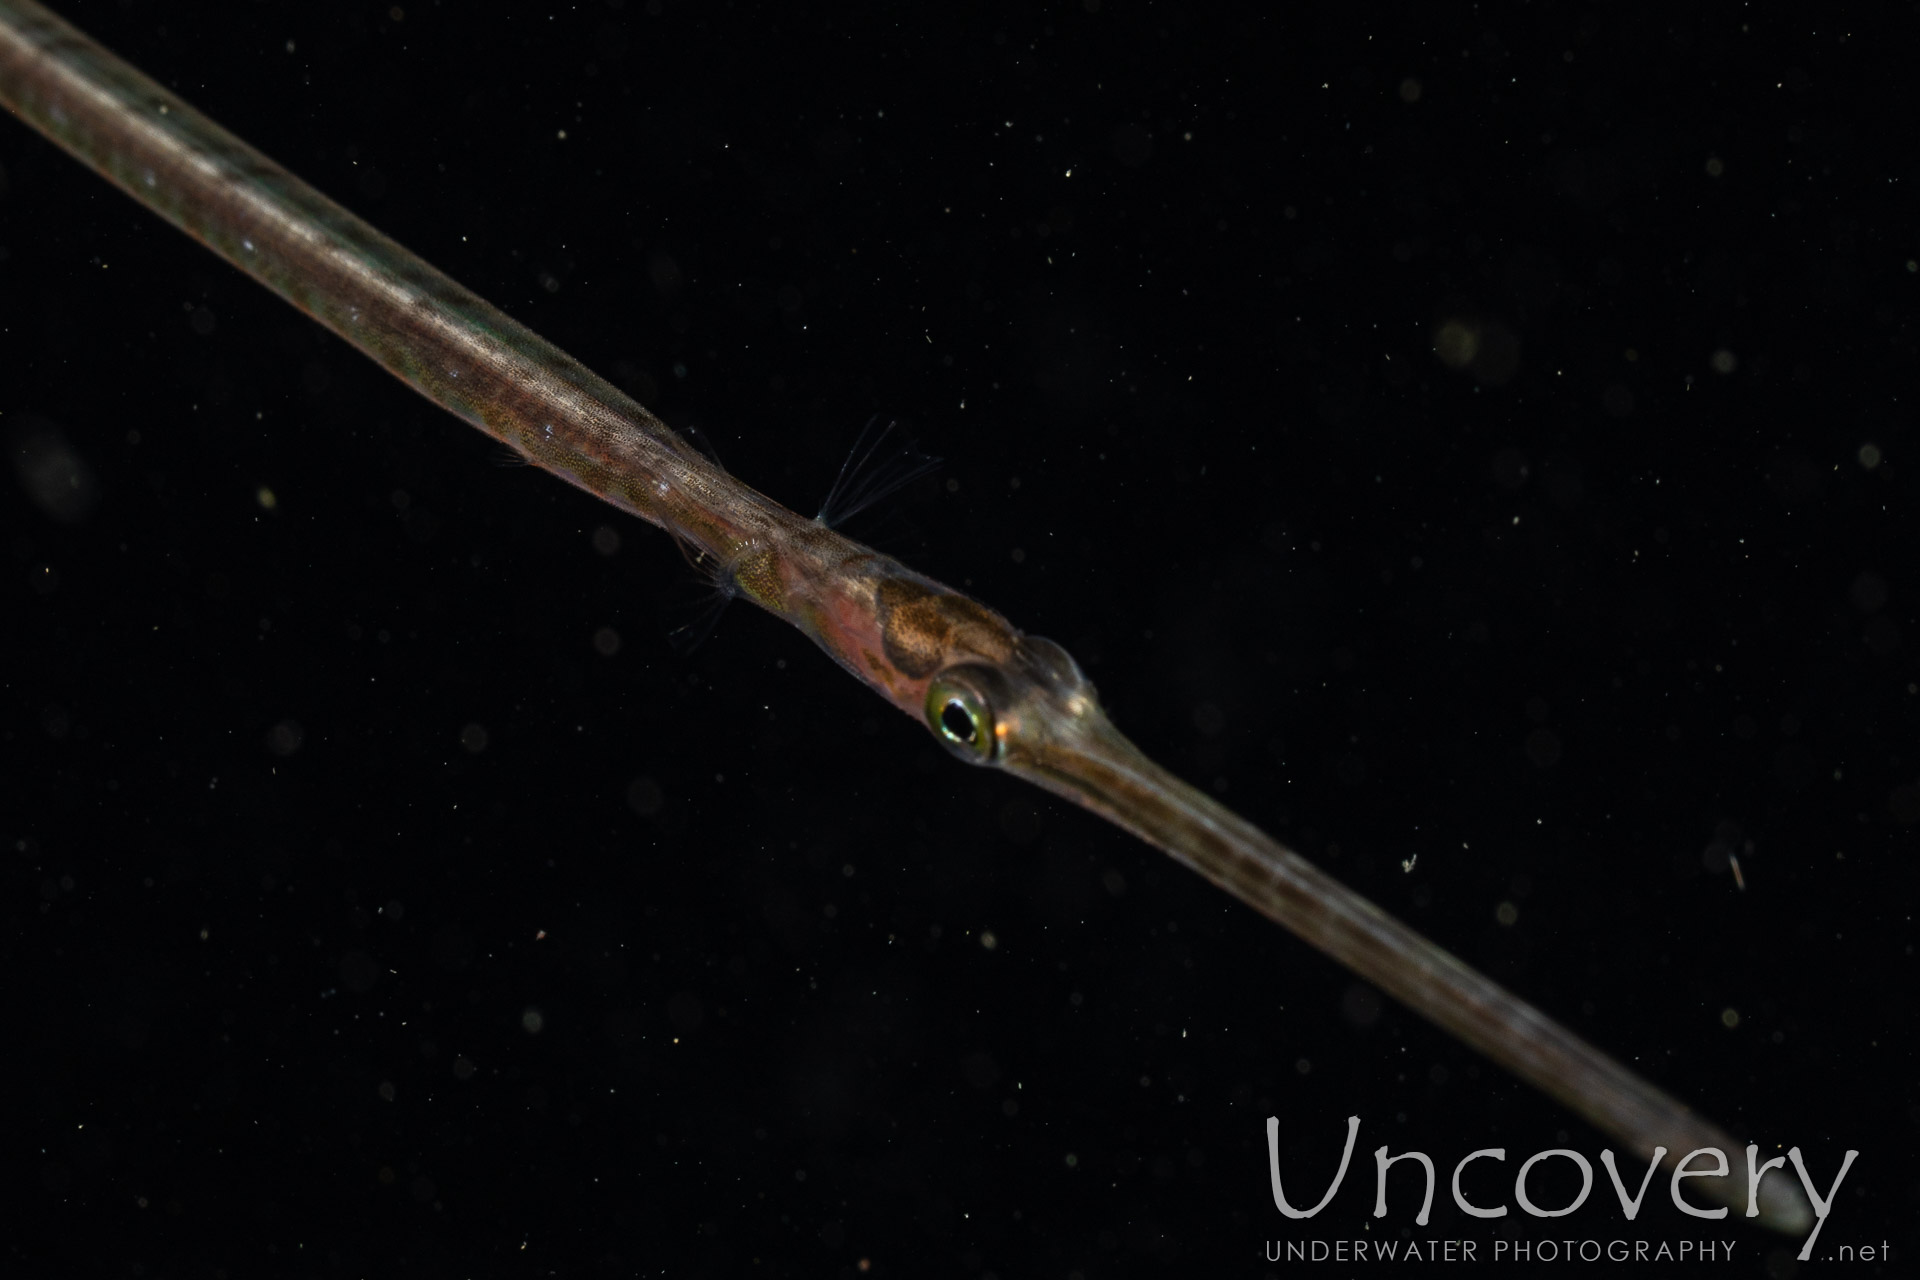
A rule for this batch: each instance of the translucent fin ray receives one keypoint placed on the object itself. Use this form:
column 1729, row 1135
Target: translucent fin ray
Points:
column 883, row 461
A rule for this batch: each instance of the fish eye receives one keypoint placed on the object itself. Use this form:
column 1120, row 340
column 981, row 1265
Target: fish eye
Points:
column 961, row 718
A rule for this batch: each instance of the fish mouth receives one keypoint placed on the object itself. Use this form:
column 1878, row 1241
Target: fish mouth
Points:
column 1075, row 752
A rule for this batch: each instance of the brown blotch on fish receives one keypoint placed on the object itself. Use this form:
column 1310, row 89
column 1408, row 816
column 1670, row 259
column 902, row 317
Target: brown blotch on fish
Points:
column 757, row 573
column 925, row 629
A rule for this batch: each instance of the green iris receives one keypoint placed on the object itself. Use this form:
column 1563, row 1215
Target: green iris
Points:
column 960, row 716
